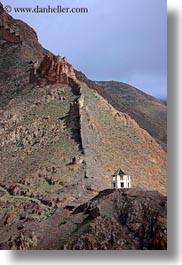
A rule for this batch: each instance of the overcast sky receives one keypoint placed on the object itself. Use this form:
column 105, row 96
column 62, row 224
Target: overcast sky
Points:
column 122, row 40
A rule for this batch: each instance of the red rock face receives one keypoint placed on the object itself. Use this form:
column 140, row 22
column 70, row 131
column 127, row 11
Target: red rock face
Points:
column 7, row 31
column 56, row 70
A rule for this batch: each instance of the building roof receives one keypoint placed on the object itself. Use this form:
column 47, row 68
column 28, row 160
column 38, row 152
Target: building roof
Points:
column 119, row 172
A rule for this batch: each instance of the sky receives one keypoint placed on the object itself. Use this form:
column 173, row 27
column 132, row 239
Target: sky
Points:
column 120, row 40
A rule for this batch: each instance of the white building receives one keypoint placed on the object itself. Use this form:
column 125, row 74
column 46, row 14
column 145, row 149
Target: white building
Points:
column 119, row 180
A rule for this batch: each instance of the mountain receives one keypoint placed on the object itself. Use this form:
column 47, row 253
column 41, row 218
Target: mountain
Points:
column 147, row 111
column 60, row 140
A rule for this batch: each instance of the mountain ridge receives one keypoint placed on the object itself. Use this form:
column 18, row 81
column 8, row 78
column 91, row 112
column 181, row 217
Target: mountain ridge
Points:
column 154, row 123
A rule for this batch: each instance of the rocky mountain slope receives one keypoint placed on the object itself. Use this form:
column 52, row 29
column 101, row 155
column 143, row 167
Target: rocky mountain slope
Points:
column 15, row 56
column 146, row 110
column 114, row 219
column 60, row 141
column 132, row 219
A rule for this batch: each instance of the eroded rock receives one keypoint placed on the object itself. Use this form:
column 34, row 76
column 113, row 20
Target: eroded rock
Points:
column 134, row 219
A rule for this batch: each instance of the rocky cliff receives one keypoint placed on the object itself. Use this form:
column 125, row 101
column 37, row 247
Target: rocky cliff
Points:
column 7, row 30
column 124, row 220
column 133, row 219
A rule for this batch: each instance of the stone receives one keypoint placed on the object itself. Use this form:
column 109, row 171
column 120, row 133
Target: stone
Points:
column 135, row 219
column 54, row 69
column 23, row 241
column 20, row 226
column 74, row 109
column 2, row 193
column 9, row 219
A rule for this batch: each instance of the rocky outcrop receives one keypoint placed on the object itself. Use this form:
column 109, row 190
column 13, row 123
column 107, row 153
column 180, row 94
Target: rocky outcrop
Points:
column 7, row 31
column 26, row 137
column 23, row 241
column 113, row 220
column 54, row 69
column 134, row 219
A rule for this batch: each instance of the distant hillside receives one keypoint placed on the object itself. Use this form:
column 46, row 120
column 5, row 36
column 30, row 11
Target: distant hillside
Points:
column 163, row 101
column 146, row 110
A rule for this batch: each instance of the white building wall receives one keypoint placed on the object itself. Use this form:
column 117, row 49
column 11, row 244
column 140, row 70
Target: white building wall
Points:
column 127, row 182
column 118, row 182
